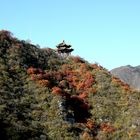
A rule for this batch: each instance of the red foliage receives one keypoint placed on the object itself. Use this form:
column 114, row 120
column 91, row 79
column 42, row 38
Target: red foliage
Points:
column 56, row 90
column 32, row 70
column 69, row 79
column 85, row 106
column 43, row 82
column 88, row 81
column 107, row 128
column 79, row 102
column 83, row 95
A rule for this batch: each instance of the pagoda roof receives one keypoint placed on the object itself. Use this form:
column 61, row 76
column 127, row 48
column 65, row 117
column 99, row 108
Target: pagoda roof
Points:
column 63, row 45
column 65, row 50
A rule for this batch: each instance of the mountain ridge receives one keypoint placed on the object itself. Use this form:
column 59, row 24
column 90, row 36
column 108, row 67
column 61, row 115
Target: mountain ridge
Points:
column 128, row 74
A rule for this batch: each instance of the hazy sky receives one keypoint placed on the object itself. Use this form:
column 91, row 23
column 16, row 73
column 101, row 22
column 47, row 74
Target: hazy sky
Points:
column 103, row 31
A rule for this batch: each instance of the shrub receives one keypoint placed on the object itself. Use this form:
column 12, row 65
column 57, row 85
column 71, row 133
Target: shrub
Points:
column 56, row 90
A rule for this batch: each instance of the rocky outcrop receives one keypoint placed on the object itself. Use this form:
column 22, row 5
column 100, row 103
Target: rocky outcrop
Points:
column 128, row 74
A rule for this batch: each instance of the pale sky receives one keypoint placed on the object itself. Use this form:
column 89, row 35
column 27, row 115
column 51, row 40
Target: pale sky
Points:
column 103, row 31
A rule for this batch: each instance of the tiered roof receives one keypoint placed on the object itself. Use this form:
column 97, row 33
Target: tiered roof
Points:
column 63, row 45
column 64, row 48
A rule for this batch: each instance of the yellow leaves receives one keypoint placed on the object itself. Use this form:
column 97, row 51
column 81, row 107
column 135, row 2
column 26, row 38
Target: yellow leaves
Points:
column 86, row 136
column 131, row 134
column 42, row 97
column 117, row 125
column 139, row 105
column 122, row 103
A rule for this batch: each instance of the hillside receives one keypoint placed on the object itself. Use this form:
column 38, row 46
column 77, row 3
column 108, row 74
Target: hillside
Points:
column 46, row 97
column 128, row 74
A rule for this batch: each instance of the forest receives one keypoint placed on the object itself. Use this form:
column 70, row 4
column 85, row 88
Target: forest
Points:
column 47, row 97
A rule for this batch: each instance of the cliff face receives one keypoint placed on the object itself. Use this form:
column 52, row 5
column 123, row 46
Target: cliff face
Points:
column 128, row 74
column 46, row 97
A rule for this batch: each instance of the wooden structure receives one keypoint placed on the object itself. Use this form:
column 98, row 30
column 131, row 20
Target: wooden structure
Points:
column 64, row 49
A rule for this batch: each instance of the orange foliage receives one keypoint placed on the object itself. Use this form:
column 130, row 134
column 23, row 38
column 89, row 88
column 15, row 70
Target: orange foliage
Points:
column 90, row 124
column 107, row 128
column 83, row 67
column 121, row 83
column 89, row 80
column 83, row 95
column 126, row 87
column 115, row 79
column 86, row 136
column 43, row 82
column 96, row 67
column 86, row 82
column 80, row 86
column 70, row 78
column 56, row 90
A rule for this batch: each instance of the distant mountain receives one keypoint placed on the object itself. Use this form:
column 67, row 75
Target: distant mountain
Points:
column 44, row 96
column 128, row 74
